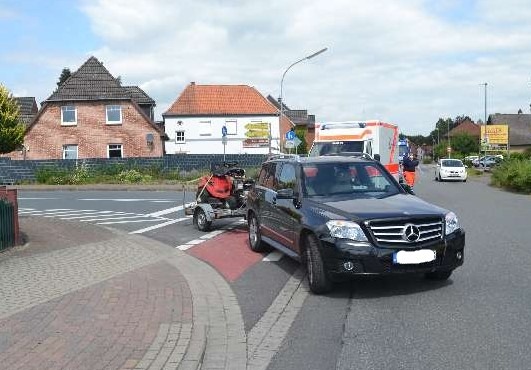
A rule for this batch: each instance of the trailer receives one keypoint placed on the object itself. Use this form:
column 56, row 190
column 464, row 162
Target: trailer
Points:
column 221, row 194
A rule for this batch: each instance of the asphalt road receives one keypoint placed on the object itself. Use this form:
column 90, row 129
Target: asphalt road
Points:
column 479, row 319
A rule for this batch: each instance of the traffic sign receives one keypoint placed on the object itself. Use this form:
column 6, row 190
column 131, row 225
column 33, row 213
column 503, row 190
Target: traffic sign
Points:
column 449, row 149
column 224, row 131
column 289, row 144
column 290, row 135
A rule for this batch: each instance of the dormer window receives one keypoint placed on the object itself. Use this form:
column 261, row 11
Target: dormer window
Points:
column 68, row 115
column 114, row 114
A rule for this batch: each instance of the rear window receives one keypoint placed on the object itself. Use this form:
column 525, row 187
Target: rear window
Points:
column 452, row 163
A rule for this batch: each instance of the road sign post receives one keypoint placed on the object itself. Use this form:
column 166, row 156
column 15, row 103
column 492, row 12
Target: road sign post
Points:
column 224, row 140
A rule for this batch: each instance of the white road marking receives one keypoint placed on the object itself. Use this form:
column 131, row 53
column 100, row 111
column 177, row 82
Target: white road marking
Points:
column 125, row 222
column 266, row 337
column 166, row 211
column 184, row 247
column 35, row 198
column 212, row 234
column 274, row 256
column 158, row 226
column 117, row 218
column 129, row 200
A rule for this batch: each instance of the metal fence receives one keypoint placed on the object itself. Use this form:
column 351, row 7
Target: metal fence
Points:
column 7, row 225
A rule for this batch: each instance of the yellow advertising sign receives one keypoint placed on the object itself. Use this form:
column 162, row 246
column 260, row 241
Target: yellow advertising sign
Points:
column 257, row 130
column 496, row 134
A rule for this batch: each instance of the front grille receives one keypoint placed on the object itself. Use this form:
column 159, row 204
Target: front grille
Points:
column 391, row 232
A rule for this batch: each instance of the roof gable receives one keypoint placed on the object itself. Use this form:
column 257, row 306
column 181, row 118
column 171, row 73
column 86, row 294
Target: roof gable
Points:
column 92, row 81
column 27, row 109
column 220, row 100
column 466, row 127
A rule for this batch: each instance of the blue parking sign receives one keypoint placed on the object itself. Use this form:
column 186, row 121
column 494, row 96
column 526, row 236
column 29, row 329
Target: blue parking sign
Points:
column 224, row 131
column 290, row 135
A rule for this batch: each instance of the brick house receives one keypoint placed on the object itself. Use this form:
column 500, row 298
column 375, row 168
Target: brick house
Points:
column 194, row 122
column 92, row 116
column 519, row 129
column 298, row 118
column 467, row 127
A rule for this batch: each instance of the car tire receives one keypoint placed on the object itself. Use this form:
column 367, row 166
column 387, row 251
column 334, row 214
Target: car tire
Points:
column 201, row 221
column 440, row 178
column 318, row 279
column 438, row 275
column 255, row 238
column 436, row 178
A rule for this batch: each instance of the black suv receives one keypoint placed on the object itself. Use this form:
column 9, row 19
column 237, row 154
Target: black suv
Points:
column 345, row 216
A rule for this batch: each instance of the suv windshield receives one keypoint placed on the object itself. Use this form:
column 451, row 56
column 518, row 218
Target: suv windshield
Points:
column 336, row 147
column 359, row 178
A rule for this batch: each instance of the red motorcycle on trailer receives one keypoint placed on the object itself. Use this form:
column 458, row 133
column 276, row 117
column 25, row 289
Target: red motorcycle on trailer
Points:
column 220, row 194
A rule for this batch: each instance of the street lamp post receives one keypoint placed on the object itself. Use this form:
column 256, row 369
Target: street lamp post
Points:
column 448, row 136
column 485, row 123
column 281, row 88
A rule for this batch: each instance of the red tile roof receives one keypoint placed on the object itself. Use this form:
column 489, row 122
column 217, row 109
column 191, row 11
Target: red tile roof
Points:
column 466, row 127
column 221, row 100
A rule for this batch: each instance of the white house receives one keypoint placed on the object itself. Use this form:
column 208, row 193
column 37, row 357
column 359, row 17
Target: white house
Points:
column 203, row 114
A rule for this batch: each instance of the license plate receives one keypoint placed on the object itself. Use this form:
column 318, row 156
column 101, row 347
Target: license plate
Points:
column 413, row 257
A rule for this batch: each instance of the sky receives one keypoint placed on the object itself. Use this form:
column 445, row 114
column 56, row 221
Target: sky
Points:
column 409, row 62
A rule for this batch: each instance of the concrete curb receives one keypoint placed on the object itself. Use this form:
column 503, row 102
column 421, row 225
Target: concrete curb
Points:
column 217, row 338
column 108, row 187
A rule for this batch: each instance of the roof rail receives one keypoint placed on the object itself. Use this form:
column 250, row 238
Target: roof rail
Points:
column 347, row 124
column 294, row 157
column 352, row 154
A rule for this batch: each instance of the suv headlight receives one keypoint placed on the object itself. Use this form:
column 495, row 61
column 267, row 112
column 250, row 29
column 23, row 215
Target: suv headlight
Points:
column 346, row 230
column 452, row 223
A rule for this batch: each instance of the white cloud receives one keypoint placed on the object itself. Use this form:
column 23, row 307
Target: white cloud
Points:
column 400, row 61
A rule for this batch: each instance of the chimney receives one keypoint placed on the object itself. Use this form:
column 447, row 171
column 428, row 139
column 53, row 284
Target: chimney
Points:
column 192, row 83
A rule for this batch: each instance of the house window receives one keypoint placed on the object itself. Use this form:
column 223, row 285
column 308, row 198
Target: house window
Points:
column 69, row 151
column 205, row 128
column 232, row 127
column 68, row 115
column 179, row 137
column 114, row 114
column 114, row 151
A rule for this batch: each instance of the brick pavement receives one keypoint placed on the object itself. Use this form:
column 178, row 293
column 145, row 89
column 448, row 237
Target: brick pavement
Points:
column 90, row 298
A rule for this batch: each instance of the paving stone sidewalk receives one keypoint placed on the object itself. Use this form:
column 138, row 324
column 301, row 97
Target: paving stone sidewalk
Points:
column 85, row 297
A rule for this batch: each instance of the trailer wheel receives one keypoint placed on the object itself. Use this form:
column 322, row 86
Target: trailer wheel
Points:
column 201, row 221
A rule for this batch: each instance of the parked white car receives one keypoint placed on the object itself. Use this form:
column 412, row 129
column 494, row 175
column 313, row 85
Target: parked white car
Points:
column 450, row 169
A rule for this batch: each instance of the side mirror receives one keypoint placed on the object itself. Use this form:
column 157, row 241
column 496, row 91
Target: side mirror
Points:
column 285, row 194
column 377, row 157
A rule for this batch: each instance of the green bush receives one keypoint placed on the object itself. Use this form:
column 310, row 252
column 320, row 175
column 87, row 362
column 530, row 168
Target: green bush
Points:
column 133, row 177
column 513, row 174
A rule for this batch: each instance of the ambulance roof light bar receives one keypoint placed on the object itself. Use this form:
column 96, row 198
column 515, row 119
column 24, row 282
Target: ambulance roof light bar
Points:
column 331, row 125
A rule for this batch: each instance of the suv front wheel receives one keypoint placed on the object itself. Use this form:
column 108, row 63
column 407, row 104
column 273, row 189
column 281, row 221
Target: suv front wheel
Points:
column 317, row 277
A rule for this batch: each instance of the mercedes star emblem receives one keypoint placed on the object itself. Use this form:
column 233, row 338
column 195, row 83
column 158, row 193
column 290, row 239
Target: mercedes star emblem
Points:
column 411, row 233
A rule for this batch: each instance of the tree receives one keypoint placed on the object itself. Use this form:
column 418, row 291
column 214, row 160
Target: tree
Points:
column 64, row 76
column 301, row 134
column 465, row 144
column 11, row 127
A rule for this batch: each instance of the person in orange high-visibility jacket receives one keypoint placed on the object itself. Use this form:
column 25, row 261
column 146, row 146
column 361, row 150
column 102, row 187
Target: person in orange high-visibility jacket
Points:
column 409, row 165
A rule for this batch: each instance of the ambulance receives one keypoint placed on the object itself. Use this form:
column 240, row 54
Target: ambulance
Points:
column 375, row 138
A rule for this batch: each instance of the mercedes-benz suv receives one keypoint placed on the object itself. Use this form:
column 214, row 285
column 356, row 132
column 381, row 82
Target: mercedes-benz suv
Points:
column 344, row 216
